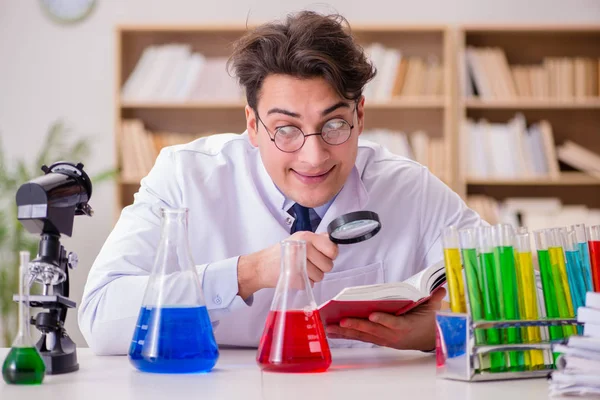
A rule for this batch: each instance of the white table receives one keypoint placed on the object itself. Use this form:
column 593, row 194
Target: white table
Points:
column 366, row 374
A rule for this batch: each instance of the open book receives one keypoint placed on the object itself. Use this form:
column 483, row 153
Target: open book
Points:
column 393, row 298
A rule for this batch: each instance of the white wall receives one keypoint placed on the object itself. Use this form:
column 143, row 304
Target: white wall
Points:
column 49, row 71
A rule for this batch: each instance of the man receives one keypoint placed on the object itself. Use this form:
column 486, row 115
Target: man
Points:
column 298, row 166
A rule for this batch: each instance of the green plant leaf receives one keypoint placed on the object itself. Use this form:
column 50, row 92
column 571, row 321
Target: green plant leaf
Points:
column 104, row 176
column 4, row 179
column 78, row 152
column 3, row 229
column 54, row 143
column 13, row 236
column 22, row 172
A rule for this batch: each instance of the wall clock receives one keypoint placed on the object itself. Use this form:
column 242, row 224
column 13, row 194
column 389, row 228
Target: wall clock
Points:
column 68, row 11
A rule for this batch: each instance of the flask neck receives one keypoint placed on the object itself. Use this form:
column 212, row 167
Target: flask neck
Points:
column 174, row 225
column 294, row 290
column 23, row 338
column 293, row 259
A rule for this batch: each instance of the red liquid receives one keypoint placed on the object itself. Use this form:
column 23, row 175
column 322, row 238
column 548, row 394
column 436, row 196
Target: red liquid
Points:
column 595, row 263
column 294, row 341
column 440, row 360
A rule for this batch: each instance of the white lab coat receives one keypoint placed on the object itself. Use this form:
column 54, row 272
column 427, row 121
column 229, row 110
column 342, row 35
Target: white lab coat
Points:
column 235, row 209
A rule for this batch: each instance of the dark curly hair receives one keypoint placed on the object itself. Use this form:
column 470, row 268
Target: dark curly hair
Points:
column 305, row 45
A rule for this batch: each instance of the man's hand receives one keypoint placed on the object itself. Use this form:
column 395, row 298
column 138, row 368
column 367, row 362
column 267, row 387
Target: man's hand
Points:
column 414, row 330
column 261, row 269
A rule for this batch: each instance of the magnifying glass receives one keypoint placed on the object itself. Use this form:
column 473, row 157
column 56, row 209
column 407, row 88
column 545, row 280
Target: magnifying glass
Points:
column 354, row 227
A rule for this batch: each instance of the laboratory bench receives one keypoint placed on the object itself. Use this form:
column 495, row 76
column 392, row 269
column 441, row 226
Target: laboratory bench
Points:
column 367, row 374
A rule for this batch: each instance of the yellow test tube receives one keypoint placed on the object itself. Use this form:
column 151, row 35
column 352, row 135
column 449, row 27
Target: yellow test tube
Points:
column 453, row 265
column 528, row 307
column 559, row 274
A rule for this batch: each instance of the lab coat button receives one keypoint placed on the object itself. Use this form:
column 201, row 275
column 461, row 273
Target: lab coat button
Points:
column 217, row 300
column 288, row 220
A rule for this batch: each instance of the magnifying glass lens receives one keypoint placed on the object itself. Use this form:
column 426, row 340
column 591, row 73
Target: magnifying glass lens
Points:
column 354, row 227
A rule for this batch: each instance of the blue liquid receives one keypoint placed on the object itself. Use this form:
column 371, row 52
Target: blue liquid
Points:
column 576, row 278
column 584, row 252
column 173, row 340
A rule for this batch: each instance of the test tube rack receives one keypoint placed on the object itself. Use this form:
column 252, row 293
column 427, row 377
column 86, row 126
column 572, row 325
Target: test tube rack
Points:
column 458, row 355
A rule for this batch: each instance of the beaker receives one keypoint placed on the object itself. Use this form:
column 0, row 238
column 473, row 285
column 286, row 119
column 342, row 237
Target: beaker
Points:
column 23, row 364
column 173, row 332
column 294, row 338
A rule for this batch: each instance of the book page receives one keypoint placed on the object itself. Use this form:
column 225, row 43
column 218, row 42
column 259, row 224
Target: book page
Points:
column 429, row 278
column 386, row 291
column 414, row 288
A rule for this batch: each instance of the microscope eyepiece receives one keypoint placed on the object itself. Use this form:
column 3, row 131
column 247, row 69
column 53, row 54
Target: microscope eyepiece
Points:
column 49, row 203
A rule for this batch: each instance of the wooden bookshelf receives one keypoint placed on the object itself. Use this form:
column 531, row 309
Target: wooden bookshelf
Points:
column 397, row 103
column 433, row 114
column 575, row 118
column 565, row 179
column 532, row 104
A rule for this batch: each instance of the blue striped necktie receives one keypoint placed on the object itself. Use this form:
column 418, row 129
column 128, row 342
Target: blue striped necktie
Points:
column 302, row 222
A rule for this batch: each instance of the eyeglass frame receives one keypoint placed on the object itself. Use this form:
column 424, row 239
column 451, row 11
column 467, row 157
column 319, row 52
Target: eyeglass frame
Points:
column 311, row 134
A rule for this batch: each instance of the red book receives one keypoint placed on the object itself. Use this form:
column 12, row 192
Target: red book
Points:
column 392, row 298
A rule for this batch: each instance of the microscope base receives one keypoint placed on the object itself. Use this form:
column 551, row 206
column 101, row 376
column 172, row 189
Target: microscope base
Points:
column 60, row 359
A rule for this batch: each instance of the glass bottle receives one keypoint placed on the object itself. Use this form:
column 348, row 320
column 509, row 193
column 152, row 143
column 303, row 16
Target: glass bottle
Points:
column 23, row 364
column 293, row 339
column 173, row 333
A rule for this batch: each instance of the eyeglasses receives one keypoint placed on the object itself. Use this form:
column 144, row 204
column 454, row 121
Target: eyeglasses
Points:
column 290, row 138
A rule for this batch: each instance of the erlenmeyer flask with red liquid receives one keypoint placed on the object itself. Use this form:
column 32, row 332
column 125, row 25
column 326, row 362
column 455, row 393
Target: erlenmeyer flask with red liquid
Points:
column 294, row 339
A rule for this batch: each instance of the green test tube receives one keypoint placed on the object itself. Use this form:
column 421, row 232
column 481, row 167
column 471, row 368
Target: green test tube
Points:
column 468, row 246
column 489, row 294
column 528, row 307
column 506, row 281
column 548, row 285
column 453, row 266
column 560, row 278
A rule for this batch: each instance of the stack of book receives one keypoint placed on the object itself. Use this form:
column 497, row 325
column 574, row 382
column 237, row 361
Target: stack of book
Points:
column 418, row 146
column 489, row 76
column 400, row 75
column 140, row 147
column 533, row 212
column 578, row 366
column 513, row 150
column 173, row 73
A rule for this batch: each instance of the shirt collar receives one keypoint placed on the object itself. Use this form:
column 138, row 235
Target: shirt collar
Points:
column 321, row 210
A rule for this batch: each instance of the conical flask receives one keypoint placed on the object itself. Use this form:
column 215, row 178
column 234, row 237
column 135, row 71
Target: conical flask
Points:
column 173, row 332
column 293, row 339
column 23, row 364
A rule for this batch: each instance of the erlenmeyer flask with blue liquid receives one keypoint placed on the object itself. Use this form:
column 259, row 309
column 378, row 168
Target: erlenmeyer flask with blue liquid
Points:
column 173, row 333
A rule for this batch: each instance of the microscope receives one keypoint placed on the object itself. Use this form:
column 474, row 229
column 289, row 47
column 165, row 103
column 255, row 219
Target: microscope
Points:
column 47, row 205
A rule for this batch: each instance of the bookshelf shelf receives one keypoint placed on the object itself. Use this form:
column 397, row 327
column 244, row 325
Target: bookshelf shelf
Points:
column 399, row 103
column 425, row 106
column 524, row 104
column 412, row 102
column 565, row 179
column 439, row 113
column 530, row 94
column 184, row 105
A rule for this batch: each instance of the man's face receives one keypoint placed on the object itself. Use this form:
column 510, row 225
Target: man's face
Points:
column 314, row 174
